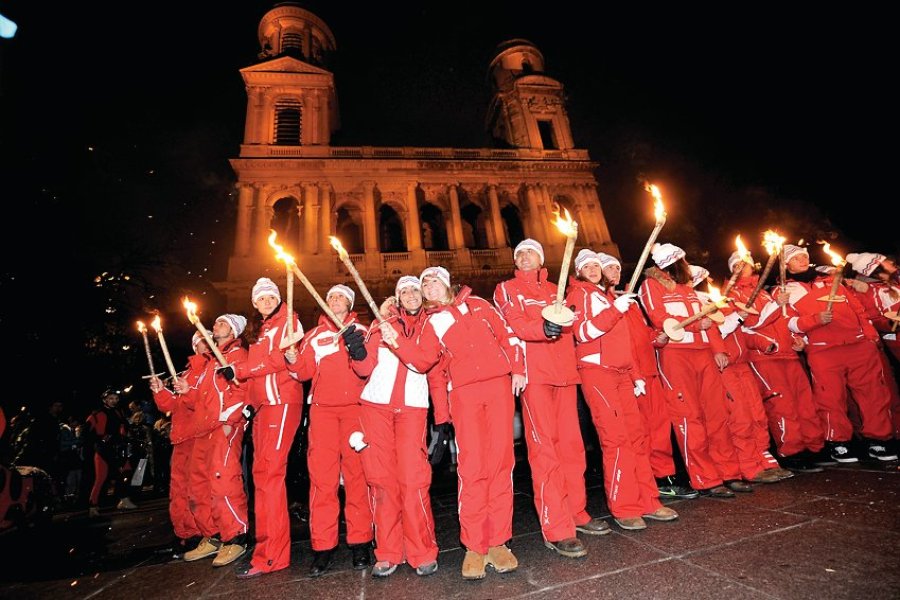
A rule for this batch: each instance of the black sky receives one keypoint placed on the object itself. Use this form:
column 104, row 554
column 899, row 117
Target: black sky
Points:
column 745, row 116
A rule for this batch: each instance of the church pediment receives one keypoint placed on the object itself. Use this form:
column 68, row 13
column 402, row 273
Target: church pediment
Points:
column 285, row 64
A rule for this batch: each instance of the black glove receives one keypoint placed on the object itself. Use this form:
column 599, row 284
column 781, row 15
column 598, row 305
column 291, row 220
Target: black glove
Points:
column 355, row 342
column 552, row 330
column 226, row 372
column 439, row 442
column 248, row 412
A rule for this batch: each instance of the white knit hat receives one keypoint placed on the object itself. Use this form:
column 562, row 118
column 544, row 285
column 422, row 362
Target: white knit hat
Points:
column 344, row 291
column 442, row 274
column 790, row 251
column 237, row 322
column 406, row 281
column 607, row 260
column 734, row 259
column 698, row 275
column 666, row 254
column 196, row 339
column 865, row 263
column 530, row 244
column 586, row 256
column 264, row 287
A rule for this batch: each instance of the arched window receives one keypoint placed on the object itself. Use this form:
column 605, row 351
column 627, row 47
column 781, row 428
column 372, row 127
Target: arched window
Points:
column 292, row 43
column 390, row 230
column 288, row 118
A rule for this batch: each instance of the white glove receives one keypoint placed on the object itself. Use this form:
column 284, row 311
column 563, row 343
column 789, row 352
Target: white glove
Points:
column 624, row 302
column 640, row 388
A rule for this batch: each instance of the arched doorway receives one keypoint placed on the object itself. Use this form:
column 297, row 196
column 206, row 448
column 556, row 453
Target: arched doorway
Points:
column 434, row 233
column 391, row 235
column 348, row 230
column 286, row 223
column 512, row 223
column 474, row 226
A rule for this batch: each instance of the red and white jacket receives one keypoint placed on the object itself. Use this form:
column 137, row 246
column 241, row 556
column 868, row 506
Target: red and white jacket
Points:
column 184, row 423
column 662, row 298
column 848, row 326
column 601, row 330
column 471, row 336
column 265, row 367
column 520, row 301
column 323, row 357
column 396, row 384
column 215, row 400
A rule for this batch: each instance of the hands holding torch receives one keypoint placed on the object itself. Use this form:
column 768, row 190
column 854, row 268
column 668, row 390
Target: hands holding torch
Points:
column 558, row 312
column 675, row 329
column 838, row 261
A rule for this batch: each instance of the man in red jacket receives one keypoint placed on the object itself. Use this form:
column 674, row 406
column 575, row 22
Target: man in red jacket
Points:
column 326, row 357
column 842, row 354
column 549, row 404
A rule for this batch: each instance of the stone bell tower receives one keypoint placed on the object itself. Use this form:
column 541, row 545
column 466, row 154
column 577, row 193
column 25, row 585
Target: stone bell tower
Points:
column 528, row 106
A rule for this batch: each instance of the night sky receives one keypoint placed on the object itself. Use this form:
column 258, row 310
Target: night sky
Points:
column 744, row 119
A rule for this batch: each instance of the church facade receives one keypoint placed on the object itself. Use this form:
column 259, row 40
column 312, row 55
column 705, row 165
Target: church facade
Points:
column 399, row 209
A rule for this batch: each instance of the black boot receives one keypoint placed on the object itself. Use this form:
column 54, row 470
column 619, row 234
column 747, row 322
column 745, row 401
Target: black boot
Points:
column 361, row 555
column 321, row 562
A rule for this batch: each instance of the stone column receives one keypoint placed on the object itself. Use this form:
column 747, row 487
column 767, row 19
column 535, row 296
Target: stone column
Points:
column 598, row 218
column 325, row 218
column 370, row 227
column 263, row 215
column 455, row 218
column 413, row 228
column 538, row 225
column 244, row 214
column 496, row 218
column 310, row 218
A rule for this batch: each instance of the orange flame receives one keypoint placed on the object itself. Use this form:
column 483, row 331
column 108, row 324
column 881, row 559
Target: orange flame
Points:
column 191, row 309
column 836, row 259
column 772, row 242
column 742, row 250
column 715, row 296
column 659, row 210
column 156, row 324
column 141, row 327
column 280, row 254
column 567, row 226
column 336, row 244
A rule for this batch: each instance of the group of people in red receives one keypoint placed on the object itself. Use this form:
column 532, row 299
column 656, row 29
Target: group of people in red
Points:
column 727, row 388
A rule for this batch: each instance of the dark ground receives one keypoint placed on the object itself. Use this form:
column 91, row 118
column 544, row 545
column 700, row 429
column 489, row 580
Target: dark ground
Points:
column 828, row 535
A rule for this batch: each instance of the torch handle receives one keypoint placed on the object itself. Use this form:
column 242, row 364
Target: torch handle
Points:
column 363, row 289
column 643, row 259
column 733, row 279
column 835, row 286
column 762, row 280
column 312, row 292
column 564, row 267
column 212, row 345
column 290, row 300
column 166, row 355
column 705, row 311
column 149, row 355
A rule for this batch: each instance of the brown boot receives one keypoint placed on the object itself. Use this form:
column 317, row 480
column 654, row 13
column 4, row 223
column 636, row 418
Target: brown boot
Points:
column 767, row 476
column 570, row 547
column 473, row 565
column 229, row 553
column 663, row 513
column 502, row 559
column 206, row 547
column 631, row 523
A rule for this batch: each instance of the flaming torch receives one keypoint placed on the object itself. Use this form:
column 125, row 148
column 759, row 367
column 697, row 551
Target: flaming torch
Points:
column 660, row 212
column 293, row 270
column 746, row 257
column 157, row 325
column 191, row 309
column 143, row 329
column 345, row 258
column 838, row 261
column 559, row 313
column 675, row 329
column 773, row 244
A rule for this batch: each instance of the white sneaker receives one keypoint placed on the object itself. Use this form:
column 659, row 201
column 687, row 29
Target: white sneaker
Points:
column 880, row 452
column 126, row 504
